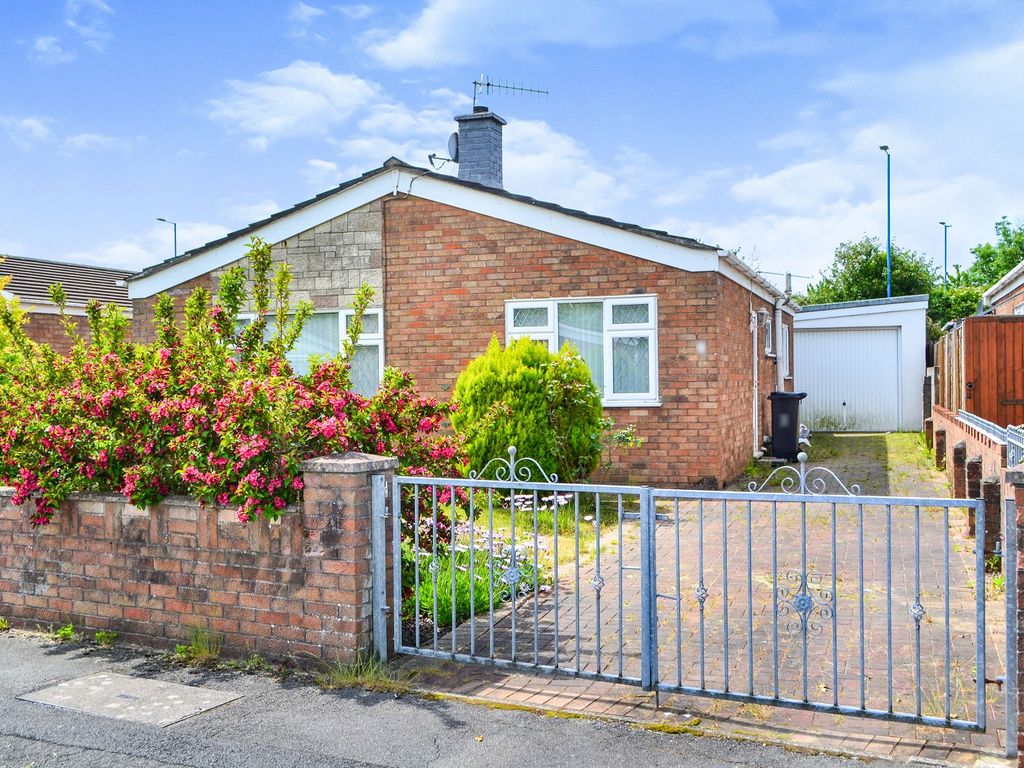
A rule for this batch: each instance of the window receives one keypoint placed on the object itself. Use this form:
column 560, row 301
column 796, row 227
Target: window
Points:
column 367, row 364
column 1019, row 309
column 618, row 338
column 322, row 335
column 769, row 336
column 784, row 352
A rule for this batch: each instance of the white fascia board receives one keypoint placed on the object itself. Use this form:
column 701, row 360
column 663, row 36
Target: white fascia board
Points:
column 1007, row 283
column 878, row 315
column 272, row 232
column 738, row 277
column 46, row 308
column 401, row 181
column 557, row 223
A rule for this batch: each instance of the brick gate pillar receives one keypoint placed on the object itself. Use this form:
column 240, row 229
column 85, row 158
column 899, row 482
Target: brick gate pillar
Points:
column 940, row 448
column 336, row 521
column 1015, row 479
column 959, row 470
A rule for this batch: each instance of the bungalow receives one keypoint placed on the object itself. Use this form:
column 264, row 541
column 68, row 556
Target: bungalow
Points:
column 684, row 340
column 1006, row 297
column 30, row 284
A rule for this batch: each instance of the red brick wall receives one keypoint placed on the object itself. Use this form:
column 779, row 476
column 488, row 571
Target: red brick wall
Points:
column 48, row 329
column 142, row 316
column 300, row 586
column 993, row 454
column 448, row 273
column 1007, row 304
column 735, row 351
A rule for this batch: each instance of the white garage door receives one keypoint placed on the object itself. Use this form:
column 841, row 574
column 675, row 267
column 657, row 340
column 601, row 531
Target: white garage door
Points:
column 851, row 377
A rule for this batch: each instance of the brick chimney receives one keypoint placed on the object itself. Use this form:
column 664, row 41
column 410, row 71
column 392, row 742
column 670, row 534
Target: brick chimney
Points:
column 480, row 147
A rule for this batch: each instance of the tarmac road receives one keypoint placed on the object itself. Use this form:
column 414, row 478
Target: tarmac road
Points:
column 291, row 723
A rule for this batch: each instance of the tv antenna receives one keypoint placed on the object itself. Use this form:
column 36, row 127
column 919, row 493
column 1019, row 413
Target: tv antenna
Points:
column 484, row 85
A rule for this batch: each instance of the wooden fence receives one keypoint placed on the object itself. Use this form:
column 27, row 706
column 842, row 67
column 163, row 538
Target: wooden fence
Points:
column 979, row 368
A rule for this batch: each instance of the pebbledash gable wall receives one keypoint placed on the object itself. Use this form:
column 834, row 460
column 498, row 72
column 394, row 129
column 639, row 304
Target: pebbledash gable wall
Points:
column 449, row 272
column 299, row 587
column 328, row 263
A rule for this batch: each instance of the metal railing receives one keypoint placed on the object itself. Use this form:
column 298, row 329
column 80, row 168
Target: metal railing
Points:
column 1014, row 445
column 994, row 431
column 797, row 597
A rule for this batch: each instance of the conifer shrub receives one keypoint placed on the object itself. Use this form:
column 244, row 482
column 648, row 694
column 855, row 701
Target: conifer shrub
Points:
column 543, row 403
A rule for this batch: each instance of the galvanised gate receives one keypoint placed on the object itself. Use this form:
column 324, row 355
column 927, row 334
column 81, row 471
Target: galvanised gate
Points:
column 812, row 596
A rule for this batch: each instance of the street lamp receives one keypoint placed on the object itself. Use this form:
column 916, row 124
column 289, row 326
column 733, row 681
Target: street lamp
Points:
column 175, row 225
column 945, row 250
column 888, row 220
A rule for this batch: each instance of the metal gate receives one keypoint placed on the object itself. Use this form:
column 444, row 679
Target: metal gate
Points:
column 811, row 596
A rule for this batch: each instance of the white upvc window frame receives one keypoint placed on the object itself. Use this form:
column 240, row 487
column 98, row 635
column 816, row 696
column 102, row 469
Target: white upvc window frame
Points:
column 367, row 339
column 1019, row 309
column 784, row 357
column 769, row 335
column 548, row 333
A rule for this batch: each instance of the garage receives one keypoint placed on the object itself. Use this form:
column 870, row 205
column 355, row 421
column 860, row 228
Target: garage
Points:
column 862, row 364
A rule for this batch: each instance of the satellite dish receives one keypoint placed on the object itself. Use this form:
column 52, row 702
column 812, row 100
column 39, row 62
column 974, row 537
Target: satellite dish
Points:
column 453, row 147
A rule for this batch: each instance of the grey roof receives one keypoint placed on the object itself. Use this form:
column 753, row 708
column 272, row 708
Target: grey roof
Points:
column 394, row 162
column 864, row 303
column 31, row 280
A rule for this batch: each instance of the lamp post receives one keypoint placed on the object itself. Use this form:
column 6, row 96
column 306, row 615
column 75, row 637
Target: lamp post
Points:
column 175, row 225
column 888, row 221
column 945, row 250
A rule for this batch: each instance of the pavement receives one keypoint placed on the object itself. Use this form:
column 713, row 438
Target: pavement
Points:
column 290, row 722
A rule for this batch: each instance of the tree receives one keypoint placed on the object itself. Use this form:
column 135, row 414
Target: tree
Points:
column 858, row 272
column 991, row 262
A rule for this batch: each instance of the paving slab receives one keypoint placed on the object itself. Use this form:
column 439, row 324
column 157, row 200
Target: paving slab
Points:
column 138, row 699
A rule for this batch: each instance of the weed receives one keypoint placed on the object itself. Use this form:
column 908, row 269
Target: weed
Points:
column 253, row 665
column 64, row 634
column 4, row 624
column 105, row 637
column 367, row 672
column 203, row 647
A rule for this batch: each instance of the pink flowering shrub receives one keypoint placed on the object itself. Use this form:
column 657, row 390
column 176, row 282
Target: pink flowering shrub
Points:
column 212, row 411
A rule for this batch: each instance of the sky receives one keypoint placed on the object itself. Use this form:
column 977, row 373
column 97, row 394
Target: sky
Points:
column 749, row 124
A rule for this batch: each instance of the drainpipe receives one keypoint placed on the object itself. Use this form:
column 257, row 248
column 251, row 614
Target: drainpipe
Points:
column 758, row 453
column 780, row 380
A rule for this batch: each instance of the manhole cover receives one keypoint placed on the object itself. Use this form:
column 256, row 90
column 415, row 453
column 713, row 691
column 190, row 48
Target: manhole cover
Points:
column 131, row 698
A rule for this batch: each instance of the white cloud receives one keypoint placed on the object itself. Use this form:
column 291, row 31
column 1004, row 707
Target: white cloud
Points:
column 84, row 142
column 300, row 12
column 321, row 174
column 458, row 32
column 247, row 213
column 26, row 132
column 302, row 99
column 355, row 12
column 48, row 49
column 87, row 19
column 148, row 246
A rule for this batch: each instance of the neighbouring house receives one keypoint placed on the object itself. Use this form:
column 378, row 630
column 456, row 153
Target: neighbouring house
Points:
column 684, row 340
column 1006, row 297
column 862, row 364
column 30, row 284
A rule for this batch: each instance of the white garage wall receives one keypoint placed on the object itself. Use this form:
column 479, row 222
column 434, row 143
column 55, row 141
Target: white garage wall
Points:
column 871, row 353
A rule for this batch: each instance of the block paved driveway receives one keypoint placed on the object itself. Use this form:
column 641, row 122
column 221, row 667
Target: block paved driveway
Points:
column 600, row 632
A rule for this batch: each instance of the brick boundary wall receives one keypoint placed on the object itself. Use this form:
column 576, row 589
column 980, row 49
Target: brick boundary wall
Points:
column 300, row 587
column 1015, row 479
column 993, row 454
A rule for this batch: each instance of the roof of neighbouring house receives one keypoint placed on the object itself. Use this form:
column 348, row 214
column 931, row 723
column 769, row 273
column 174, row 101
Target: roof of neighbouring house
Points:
column 395, row 165
column 31, row 280
column 1008, row 282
